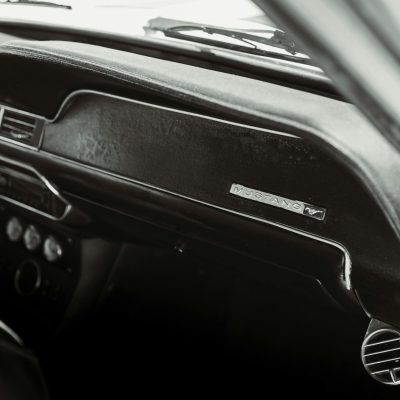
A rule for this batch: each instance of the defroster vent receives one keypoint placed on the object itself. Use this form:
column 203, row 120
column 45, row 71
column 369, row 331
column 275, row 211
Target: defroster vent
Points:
column 20, row 127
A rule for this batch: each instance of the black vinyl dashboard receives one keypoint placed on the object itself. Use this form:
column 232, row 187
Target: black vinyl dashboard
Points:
column 211, row 162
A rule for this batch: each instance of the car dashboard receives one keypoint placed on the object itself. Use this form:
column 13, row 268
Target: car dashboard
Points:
column 101, row 148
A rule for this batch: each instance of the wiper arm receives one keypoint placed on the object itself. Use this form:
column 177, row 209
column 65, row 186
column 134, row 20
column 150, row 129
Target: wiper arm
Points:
column 37, row 3
column 285, row 47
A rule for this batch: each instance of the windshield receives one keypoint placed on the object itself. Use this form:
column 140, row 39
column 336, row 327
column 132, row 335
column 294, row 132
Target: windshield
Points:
column 204, row 22
column 234, row 14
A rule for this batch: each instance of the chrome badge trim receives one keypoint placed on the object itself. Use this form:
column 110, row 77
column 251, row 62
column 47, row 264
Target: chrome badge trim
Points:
column 296, row 206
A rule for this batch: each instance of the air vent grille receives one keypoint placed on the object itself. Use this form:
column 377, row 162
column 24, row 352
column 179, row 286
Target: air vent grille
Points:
column 20, row 127
column 381, row 356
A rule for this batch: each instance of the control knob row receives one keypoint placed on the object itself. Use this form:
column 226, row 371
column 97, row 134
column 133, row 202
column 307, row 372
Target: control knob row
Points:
column 32, row 239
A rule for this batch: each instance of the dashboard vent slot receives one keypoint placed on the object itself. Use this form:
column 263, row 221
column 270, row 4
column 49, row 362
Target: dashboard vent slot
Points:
column 20, row 127
column 381, row 356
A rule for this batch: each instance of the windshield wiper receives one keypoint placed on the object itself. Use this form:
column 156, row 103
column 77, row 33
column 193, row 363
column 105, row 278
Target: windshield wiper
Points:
column 37, row 3
column 250, row 41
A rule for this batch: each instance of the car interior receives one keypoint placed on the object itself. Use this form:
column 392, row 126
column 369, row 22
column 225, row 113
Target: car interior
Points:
column 174, row 224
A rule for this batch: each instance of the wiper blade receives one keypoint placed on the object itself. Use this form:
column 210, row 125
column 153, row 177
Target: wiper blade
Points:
column 37, row 3
column 250, row 41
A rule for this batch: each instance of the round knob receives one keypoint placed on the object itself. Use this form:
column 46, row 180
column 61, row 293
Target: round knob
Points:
column 32, row 238
column 14, row 230
column 28, row 278
column 52, row 249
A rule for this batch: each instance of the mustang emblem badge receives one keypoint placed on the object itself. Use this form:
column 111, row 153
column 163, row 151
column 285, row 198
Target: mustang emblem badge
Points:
column 295, row 206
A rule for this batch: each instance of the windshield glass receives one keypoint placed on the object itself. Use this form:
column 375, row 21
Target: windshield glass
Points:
column 226, row 13
column 204, row 22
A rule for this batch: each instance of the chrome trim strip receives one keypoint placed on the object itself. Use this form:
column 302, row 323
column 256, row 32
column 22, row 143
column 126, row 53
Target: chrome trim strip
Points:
column 11, row 333
column 347, row 259
column 48, row 185
column 382, row 351
column 383, row 342
column 1, row 115
column 382, row 361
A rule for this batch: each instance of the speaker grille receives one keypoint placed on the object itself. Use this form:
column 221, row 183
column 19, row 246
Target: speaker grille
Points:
column 381, row 356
